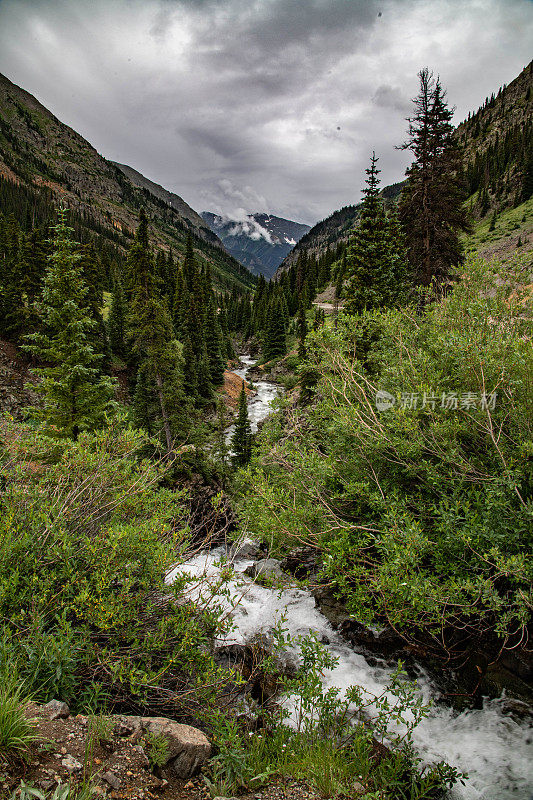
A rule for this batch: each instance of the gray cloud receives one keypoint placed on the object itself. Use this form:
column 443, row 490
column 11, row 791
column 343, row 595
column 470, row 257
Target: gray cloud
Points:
column 257, row 105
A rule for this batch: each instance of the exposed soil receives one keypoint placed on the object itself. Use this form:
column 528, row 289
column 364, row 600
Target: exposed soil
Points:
column 77, row 749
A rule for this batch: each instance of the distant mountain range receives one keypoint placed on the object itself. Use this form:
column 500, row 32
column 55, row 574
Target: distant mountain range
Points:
column 43, row 161
column 259, row 241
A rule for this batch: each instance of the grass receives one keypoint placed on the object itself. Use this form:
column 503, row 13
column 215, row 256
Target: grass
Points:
column 509, row 222
column 16, row 731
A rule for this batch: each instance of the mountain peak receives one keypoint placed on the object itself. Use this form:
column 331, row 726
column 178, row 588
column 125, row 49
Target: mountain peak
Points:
column 259, row 241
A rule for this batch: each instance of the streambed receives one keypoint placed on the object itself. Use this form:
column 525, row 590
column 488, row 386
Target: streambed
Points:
column 495, row 749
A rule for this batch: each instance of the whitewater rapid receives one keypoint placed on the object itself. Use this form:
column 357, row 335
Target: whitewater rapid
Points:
column 494, row 749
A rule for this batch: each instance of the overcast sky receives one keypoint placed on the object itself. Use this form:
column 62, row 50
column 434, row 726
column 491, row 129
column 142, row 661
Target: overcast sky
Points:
column 262, row 105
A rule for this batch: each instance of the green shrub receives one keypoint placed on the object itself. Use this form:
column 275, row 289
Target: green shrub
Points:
column 423, row 513
column 87, row 532
column 157, row 750
column 329, row 742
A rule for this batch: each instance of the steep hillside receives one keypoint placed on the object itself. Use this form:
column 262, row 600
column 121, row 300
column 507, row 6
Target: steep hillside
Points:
column 333, row 230
column 259, row 241
column 498, row 155
column 498, row 147
column 43, row 160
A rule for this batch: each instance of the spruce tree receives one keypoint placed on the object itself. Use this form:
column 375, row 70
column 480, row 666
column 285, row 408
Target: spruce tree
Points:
column 116, row 322
column 241, row 441
column 375, row 263
column 158, row 353
column 76, row 396
column 274, row 340
column 431, row 204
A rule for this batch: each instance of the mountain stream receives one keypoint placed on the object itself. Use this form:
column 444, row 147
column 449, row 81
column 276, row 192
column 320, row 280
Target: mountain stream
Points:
column 493, row 748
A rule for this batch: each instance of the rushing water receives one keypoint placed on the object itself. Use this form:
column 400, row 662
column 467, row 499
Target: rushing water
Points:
column 259, row 405
column 495, row 750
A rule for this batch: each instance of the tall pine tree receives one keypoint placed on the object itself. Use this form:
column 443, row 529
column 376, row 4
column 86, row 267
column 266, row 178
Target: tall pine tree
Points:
column 431, row 205
column 241, row 442
column 76, row 396
column 376, row 262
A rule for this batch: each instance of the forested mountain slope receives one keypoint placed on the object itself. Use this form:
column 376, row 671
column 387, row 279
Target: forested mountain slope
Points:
column 497, row 141
column 333, row 230
column 42, row 161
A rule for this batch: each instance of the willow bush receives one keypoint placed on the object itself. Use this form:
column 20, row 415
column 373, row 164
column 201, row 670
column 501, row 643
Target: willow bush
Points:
column 423, row 510
column 87, row 533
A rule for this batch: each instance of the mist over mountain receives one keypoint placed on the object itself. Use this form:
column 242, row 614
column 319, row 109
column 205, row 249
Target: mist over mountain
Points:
column 259, row 241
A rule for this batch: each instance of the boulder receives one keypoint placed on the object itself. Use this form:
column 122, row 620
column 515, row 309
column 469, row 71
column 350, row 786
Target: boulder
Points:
column 268, row 568
column 301, row 561
column 247, row 552
column 56, row 709
column 188, row 748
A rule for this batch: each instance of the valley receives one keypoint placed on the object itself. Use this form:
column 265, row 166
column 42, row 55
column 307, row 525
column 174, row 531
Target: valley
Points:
column 266, row 488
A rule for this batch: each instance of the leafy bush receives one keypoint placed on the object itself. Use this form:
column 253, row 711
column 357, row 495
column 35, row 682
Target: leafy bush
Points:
column 424, row 512
column 157, row 750
column 63, row 791
column 328, row 739
column 86, row 535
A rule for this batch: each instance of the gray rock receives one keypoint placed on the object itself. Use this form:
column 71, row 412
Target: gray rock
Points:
column 71, row 764
column 112, row 780
column 188, row 748
column 267, row 568
column 56, row 709
column 249, row 550
column 127, row 726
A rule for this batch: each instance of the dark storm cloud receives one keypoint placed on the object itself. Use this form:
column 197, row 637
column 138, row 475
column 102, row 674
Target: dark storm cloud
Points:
column 247, row 105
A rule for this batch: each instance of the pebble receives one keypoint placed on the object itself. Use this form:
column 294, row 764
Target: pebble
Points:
column 112, row 780
column 56, row 709
column 71, row 764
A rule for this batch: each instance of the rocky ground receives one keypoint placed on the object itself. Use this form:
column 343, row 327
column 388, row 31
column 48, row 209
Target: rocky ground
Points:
column 116, row 755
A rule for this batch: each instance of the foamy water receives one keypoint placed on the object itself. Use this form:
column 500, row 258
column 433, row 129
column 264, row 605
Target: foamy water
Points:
column 260, row 404
column 494, row 749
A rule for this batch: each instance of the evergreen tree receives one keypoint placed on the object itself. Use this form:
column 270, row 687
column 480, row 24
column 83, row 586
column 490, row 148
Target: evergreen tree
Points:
column 431, row 205
column 274, row 342
column 341, row 274
column 159, row 394
column 376, row 261
column 241, row 441
column 116, row 322
column 214, row 345
column 76, row 396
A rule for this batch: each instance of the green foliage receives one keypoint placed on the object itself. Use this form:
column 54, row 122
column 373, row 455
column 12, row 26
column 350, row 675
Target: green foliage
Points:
column 76, row 396
column 423, row 511
column 157, row 750
column 63, row 791
column 86, row 536
column 329, row 742
column 431, row 206
column 16, row 730
column 376, row 263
